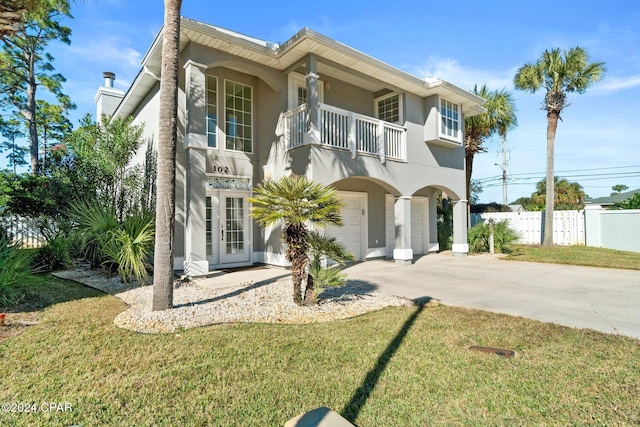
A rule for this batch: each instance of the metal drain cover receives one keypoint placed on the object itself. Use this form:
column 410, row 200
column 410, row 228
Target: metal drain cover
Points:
column 497, row 351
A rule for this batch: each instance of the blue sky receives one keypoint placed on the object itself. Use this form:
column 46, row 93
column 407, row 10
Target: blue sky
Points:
column 464, row 42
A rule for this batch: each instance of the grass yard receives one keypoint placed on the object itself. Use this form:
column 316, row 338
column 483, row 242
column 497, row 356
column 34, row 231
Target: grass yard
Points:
column 577, row 255
column 395, row 367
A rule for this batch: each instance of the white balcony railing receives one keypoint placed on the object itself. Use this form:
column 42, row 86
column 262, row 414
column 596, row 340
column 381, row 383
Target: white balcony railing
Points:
column 346, row 130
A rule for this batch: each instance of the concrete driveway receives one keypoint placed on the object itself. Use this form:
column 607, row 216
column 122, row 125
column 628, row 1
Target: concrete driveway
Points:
column 606, row 300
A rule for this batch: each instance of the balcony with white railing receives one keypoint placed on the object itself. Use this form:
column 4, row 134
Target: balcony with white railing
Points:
column 345, row 130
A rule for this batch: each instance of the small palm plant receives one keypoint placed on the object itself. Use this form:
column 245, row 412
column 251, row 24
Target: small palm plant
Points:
column 296, row 203
column 130, row 247
column 323, row 248
column 14, row 268
column 94, row 223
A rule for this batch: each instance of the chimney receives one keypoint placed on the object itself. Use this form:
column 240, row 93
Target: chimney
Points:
column 108, row 97
column 109, row 77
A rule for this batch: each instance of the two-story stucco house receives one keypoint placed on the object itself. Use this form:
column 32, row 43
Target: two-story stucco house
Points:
column 251, row 110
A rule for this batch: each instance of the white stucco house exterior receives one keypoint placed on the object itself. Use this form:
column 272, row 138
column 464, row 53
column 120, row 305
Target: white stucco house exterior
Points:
column 251, row 110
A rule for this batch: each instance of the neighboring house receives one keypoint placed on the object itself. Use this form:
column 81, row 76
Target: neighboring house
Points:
column 608, row 201
column 516, row 208
column 251, row 110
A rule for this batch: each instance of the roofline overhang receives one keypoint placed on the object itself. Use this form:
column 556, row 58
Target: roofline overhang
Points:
column 284, row 56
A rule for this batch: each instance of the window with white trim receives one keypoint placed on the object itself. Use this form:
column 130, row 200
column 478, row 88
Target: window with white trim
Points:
column 450, row 120
column 389, row 108
column 212, row 111
column 238, row 116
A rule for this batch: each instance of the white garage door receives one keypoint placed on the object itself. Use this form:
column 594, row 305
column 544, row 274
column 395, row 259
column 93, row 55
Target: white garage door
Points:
column 419, row 225
column 352, row 234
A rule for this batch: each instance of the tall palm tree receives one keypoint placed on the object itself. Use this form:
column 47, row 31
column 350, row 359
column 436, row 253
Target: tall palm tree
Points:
column 296, row 203
column 558, row 72
column 166, row 171
column 499, row 118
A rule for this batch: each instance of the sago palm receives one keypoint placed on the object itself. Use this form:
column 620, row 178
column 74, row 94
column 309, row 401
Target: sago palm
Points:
column 558, row 72
column 296, row 203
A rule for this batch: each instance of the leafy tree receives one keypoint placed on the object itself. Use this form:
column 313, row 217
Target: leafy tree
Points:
column 11, row 131
column 632, row 202
column 567, row 195
column 53, row 126
column 96, row 163
column 475, row 188
column 619, row 188
column 167, row 141
column 498, row 119
column 296, row 203
column 25, row 66
column 558, row 73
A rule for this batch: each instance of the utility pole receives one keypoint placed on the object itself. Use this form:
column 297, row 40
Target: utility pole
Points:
column 504, row 171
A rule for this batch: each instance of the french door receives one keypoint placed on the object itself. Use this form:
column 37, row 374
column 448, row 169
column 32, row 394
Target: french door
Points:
column 228, row 228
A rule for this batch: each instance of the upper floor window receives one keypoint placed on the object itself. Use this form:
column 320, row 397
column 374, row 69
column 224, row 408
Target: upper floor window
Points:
column 450, row 119
column 238, row 116
column 388, row 108
column 212, row 112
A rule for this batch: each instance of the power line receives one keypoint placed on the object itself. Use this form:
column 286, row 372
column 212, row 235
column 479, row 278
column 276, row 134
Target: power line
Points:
column 534, row 175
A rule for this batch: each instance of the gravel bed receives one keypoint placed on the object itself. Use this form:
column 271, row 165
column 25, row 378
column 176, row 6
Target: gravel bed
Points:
column 196, row 304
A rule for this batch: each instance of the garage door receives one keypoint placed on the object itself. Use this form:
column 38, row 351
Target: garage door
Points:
column 419, row 225
column 352, row 234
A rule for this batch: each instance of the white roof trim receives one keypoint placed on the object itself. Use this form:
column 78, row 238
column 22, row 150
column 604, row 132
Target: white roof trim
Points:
column 283, row 56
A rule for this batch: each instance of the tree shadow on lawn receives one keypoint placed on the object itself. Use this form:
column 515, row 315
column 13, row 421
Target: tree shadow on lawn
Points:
column 45, row 290
column 352, row 409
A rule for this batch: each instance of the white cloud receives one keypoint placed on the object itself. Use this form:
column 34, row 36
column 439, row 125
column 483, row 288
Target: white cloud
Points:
column 108, row 50
column 615, row 84
column 466, row 77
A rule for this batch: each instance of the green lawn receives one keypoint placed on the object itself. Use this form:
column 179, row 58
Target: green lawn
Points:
column 577, row 255
column 395, row 367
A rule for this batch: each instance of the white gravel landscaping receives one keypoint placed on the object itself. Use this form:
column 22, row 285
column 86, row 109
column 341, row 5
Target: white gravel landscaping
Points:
column 200, row 303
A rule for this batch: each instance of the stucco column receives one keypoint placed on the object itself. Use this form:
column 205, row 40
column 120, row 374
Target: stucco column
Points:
column 195, row 148
column 402, row 253
column 460, row 242
column 434, row 246
column 313, row 101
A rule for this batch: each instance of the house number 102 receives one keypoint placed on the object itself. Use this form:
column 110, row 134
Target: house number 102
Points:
column 221, row 169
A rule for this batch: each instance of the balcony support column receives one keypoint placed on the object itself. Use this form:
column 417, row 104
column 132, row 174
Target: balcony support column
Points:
column 403, row 253
column 313, row 101
column 460, row 243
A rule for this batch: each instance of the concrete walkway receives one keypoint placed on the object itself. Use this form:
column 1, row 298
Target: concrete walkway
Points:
column 606, row 300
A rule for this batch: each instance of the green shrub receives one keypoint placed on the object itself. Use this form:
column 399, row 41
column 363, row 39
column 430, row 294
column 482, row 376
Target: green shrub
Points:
column 55, row 255
column 503, row 238
column 94, row 223
column 14, row 267
column 129, row 248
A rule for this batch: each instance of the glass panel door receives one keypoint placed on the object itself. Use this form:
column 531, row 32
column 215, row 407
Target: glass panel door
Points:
column 234, row 229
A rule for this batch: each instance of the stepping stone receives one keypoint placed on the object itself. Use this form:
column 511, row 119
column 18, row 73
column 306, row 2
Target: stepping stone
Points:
column 320, row 417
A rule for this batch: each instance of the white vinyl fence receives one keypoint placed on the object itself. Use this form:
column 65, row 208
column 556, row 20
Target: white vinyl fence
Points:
column 23, row 230
column 568, row 226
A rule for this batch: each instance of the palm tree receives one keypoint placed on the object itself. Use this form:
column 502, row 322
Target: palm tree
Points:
column 166, row 171
column 567, row 195
column 296, row 203
column 499, row 118
column 12, row 15
column 558, row 72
